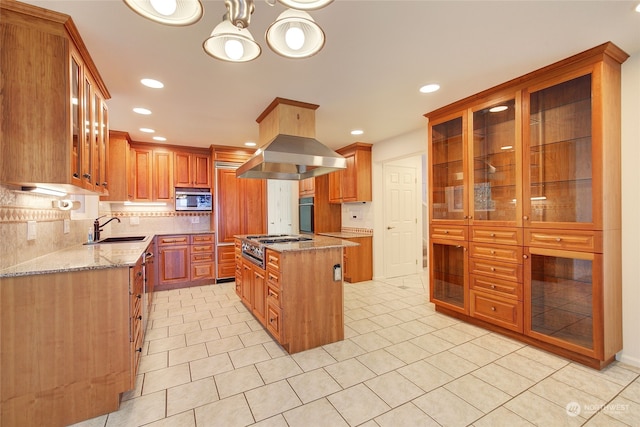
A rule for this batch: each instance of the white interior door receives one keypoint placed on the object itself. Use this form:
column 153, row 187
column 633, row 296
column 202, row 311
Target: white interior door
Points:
column 400, row 220
column 280, row 206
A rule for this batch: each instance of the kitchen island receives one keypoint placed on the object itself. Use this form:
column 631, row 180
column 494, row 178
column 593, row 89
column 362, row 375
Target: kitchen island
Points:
column 293, row 287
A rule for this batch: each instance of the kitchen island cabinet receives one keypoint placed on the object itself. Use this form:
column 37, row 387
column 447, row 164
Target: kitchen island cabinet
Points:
column 71, row 333
column 300, row 289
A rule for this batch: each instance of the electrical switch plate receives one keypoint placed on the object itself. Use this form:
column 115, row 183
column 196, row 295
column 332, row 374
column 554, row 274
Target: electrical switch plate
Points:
column 195, row 219
column 134, row 220
column 31, row 230
column 66, row 226
column 337, row 272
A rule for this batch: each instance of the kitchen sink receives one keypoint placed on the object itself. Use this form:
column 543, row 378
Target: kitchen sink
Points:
column 124, row 239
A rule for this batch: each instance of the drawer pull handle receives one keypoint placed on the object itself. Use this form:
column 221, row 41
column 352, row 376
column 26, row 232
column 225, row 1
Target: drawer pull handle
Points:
column 558, row 239
column 493, row 308
column 139, row 350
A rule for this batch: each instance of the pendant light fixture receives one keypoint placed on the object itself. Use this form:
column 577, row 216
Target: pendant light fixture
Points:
column 295, row 35
column 168, row 12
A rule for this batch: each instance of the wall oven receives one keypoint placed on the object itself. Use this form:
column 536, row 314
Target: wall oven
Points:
column 305, row 208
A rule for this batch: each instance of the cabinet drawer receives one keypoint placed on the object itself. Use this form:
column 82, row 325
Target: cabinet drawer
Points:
column 499, row 311
column 201, row 238
column 237, row 243
column 449, row 232
column 504, row 288
column 588, row 241
column 504, row 236
column 173, row 240
column 499, row 270
column 274, row 325
column 496, row 252
column 273, row 259
column 202, row 271
column 273, row 294
column 202, row 257
column 273, row 277
column 202, row 248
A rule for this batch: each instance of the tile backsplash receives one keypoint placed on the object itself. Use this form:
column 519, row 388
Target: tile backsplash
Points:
column 17, row 208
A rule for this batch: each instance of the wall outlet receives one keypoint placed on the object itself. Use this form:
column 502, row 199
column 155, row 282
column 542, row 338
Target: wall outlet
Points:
column 66, row 226
column 134, row 220
column 195, row 219
column 31, row 230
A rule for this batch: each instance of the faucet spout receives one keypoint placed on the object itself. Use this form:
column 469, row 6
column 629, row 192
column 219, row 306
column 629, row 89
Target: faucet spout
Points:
column 97, row 227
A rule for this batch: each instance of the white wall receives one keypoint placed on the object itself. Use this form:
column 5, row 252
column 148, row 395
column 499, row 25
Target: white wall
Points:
column 631, row 210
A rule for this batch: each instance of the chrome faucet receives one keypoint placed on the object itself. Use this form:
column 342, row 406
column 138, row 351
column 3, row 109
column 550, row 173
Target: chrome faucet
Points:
column 97, row 227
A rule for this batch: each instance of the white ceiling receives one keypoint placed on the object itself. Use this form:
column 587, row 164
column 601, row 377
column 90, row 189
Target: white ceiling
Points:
column 377, row 55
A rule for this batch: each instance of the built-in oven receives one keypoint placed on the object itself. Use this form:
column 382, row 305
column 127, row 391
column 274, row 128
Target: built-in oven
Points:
column 305, row 208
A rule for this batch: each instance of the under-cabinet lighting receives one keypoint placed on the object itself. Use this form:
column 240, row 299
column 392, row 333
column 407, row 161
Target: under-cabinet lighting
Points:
column 506, row 147
column 539, row 198
column 127, row 203
column 46, row 191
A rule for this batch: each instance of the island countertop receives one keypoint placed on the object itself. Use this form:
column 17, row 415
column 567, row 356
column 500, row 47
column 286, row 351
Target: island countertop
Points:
column 317, row 242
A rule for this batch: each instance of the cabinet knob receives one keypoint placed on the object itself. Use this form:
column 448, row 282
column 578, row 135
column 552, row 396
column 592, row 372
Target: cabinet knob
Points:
column 87, row 175
column 493, row 308
column 525, row 256
column 558, row 239
column 493, row 252
column 446, row 231
column 139, row 350
column 492, row 286
column 104, row 184
column 139, row 317
column 75, row 175
column 492, row 234
column 526, row 218
column 138, row 296
column 493, row 269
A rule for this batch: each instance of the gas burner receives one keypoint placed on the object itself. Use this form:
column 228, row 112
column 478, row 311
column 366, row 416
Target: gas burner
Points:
column 284, row 239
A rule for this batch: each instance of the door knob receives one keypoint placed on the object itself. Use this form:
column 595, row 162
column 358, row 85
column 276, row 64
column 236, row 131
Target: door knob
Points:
column 389, row 227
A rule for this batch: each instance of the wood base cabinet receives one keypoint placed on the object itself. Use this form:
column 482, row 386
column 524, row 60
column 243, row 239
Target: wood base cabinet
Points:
column 524, row 195
column 184, row 260
column 358, row 260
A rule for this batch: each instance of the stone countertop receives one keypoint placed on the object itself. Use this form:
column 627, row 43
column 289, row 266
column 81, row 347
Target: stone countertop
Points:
column 82, row 257
column 344, row 234
column 318, row 242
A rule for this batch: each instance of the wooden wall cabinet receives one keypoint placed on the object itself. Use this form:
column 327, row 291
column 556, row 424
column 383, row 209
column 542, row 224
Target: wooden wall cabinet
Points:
column 192, row 169
column 67, row 150
column 152, row 173
column 524, row 195
column 119, row 169
column 307, row 187
column 352, row 184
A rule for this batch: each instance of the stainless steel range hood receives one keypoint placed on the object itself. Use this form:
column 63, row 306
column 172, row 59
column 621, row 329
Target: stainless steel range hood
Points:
column 293, row 158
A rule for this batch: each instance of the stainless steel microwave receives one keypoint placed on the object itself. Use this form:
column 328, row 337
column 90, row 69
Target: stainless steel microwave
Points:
column 194, row 199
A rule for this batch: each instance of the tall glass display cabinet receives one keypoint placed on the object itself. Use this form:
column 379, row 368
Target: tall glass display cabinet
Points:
column 525, row 226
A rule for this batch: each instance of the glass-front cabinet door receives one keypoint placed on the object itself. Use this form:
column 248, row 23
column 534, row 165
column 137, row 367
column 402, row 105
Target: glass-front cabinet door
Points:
column 449, row 276
column 77, row 117
column 447, row 166
column 495, row 159
column 559, row 143
column 563, row 288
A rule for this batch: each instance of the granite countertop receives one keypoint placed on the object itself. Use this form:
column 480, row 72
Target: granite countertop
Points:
column 345, row 234
column 318, row 242
column 82, row 257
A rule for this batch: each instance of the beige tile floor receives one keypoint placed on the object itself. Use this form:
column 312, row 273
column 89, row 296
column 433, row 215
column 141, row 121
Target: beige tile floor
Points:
column 207, row 362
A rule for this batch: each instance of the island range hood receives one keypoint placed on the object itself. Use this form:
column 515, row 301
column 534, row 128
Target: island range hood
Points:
column 290, row 150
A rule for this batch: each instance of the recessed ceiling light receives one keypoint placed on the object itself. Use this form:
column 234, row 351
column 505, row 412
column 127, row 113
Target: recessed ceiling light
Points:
column 430, row 88
column 159, row 138
column 250, row 144
column 638, row 8
column 141, row 110
column 152, row 83
column 498, row 108
column 357, row 132
column 147, row 130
